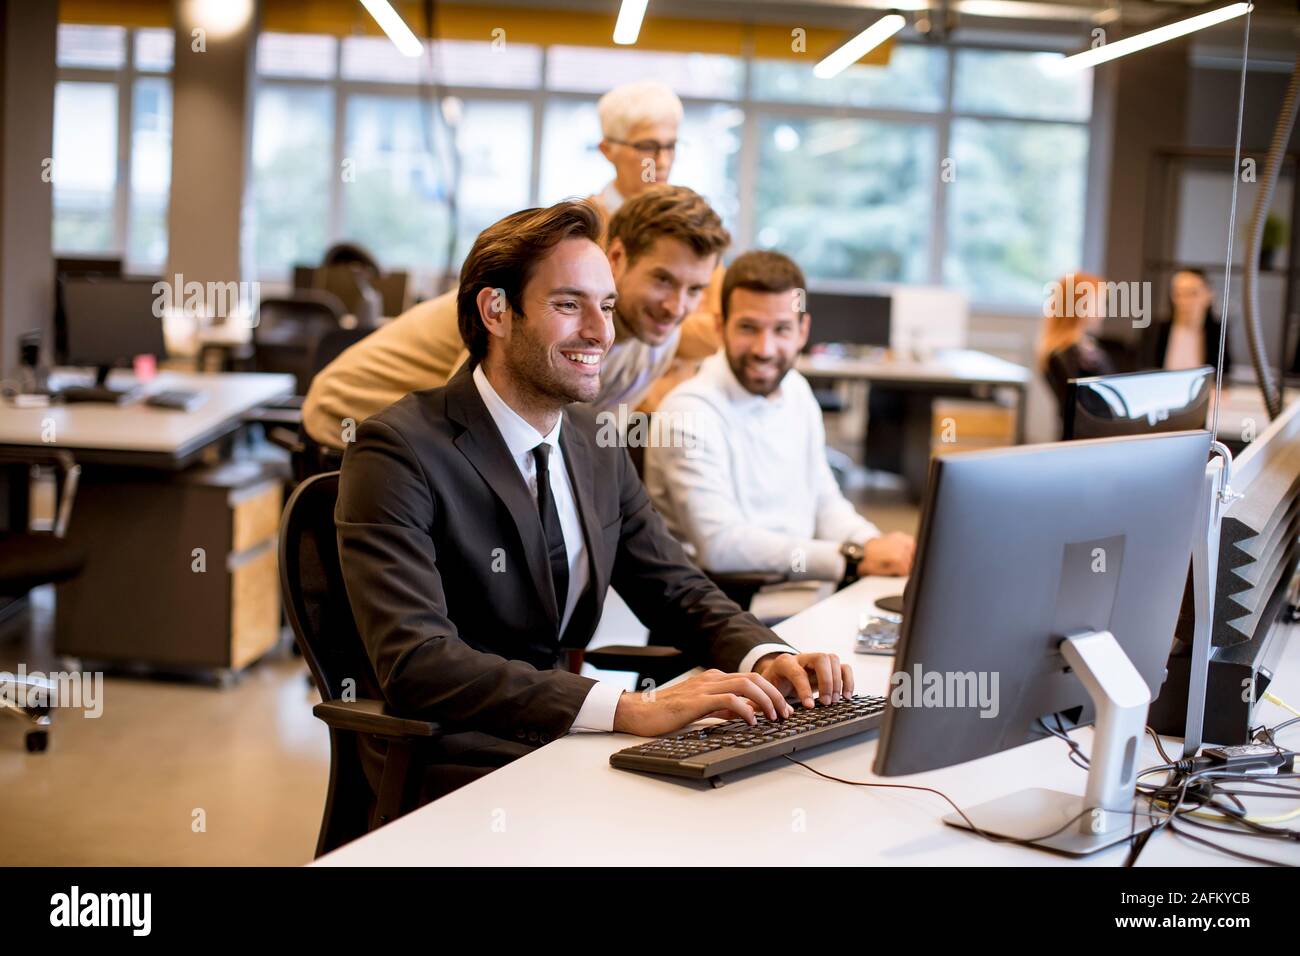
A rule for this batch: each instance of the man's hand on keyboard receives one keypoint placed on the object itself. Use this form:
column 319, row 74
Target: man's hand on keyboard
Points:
column 797, row 675
column 710, row 694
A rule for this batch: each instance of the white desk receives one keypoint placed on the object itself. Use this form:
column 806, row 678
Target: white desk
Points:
column 564, row 804
column 138, row 433
column 945, row 367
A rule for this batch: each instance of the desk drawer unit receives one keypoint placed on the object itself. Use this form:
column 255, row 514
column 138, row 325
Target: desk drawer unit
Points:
column 181, row 572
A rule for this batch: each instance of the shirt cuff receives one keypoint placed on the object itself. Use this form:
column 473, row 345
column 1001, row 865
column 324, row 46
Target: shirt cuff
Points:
column 752, row 658
column 597, row 711
column 823, row 562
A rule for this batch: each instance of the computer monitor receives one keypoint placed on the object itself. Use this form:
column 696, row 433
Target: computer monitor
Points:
column 74, row 266
column 1138, row 403
column 1053, row 575
column 848, row 319
column 109, row 322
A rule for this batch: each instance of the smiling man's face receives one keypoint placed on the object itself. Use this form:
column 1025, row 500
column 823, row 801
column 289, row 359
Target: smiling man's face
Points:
column 660, row 288
column 762, row 335
column 557, row 347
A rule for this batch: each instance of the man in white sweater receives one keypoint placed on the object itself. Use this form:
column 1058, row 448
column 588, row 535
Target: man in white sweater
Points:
column 740, row 471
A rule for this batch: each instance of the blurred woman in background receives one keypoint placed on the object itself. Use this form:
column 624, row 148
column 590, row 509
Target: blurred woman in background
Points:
column 1189, row 337
column 1072, row 315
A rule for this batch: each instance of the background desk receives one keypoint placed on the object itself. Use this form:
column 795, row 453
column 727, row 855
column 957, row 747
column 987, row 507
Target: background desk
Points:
column 903, row 445
column 564, row 804
column 181, row 566
column 139, row 435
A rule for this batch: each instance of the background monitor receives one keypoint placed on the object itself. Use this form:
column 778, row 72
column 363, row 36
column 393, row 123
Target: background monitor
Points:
column 1020, row 548
column 110, row 321
column 926, row 319
column 848, row 319
column 74, row 266
column 1138, row 403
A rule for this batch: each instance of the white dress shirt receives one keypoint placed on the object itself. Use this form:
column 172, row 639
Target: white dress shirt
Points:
column 755, row 493
column 597, row 711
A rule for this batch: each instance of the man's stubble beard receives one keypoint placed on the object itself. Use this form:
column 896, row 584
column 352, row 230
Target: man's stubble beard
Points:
column 537, row 380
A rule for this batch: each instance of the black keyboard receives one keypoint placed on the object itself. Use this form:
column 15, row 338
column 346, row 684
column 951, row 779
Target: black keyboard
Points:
column 177, row 399
column 718, row 748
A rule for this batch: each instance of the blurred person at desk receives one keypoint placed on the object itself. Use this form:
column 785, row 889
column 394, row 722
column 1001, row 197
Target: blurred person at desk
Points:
column 1189, row 337
column 741, row 475
column 663, row 246
column 1067, row 348
column 482, row 523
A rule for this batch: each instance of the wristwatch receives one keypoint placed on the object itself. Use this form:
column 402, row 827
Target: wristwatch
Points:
column 853, row 555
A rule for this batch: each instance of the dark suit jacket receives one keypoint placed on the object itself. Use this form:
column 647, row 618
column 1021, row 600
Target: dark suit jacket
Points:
column 446, row 566
column 1157, row 343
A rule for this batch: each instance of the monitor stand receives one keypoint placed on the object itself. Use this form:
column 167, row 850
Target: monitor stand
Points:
column 1108, row 812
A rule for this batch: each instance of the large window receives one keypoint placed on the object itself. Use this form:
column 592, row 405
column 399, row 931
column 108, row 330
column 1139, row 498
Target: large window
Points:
column 848, row 198
column 293, row 172
column 957, row 165
column 1018, row 186
column 111, row 169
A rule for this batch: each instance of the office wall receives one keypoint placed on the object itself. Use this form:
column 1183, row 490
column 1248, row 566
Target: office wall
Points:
column 27, row 41
column 1150, row 101
column 211, row 128
column 1212, row 111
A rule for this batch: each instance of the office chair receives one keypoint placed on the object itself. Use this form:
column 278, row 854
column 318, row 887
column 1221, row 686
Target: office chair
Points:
column 288, row 329
column 31, row 559
column 316, row 603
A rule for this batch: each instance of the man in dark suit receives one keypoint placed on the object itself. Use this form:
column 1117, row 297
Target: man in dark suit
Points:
column 480, row 525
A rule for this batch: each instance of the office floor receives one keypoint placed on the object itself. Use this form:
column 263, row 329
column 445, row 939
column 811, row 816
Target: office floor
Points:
column 123, row 789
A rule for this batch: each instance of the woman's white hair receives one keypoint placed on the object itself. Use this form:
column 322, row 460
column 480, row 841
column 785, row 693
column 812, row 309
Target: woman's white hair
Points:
column 629, row 105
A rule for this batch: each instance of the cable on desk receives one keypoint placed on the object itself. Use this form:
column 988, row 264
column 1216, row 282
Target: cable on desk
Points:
column 1223, row 849
column 993, row 837
column 1160, row 747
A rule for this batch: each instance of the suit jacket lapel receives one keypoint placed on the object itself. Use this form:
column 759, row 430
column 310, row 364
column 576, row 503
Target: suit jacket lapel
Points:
column 486, row 450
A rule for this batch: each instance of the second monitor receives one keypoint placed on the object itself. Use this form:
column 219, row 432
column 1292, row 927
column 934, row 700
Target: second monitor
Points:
column 1138, row 403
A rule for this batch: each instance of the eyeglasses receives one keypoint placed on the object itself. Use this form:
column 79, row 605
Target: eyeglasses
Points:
column 649, row 147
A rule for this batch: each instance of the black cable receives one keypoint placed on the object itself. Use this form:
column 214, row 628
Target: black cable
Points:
column 1223, row 849
column 1075, row 750
column 1159, row 745
column 1187, row 818
column 993, row 837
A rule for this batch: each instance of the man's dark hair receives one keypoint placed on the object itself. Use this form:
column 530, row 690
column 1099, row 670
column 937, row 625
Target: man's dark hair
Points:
column 673, row 211
column 505, row 254
column 762, row 271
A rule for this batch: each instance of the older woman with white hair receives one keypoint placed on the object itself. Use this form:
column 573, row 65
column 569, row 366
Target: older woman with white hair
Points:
column 638, row 124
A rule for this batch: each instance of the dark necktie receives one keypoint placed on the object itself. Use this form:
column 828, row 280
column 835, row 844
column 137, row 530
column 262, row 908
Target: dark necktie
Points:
column 556, row 551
